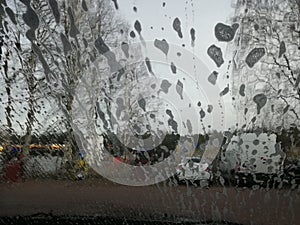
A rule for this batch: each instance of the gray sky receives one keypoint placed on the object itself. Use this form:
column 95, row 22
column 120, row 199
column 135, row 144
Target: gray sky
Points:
column 202, row 15
column 156, row 21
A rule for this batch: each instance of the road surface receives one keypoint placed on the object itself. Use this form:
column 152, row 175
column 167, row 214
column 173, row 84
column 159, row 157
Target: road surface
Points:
column 103, row 198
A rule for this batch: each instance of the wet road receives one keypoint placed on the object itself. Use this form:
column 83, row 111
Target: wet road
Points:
column 102, row 198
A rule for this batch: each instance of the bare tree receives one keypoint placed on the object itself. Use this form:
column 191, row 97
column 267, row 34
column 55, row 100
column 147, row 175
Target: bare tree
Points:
column 265, row 62
column 48, row 45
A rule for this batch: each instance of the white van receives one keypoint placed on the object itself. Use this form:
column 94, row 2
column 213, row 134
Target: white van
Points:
column 250, row 154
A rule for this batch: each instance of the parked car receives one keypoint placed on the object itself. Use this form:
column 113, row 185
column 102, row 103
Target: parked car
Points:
column 194, row 171
column 292, row 173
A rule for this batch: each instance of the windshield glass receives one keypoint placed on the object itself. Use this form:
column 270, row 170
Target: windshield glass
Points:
column 156, row 112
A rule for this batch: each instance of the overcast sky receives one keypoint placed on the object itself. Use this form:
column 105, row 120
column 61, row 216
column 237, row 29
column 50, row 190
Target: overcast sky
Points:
column 156, row 18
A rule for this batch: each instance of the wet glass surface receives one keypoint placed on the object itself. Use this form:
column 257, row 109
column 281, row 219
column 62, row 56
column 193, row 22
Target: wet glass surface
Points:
column 159, row 112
